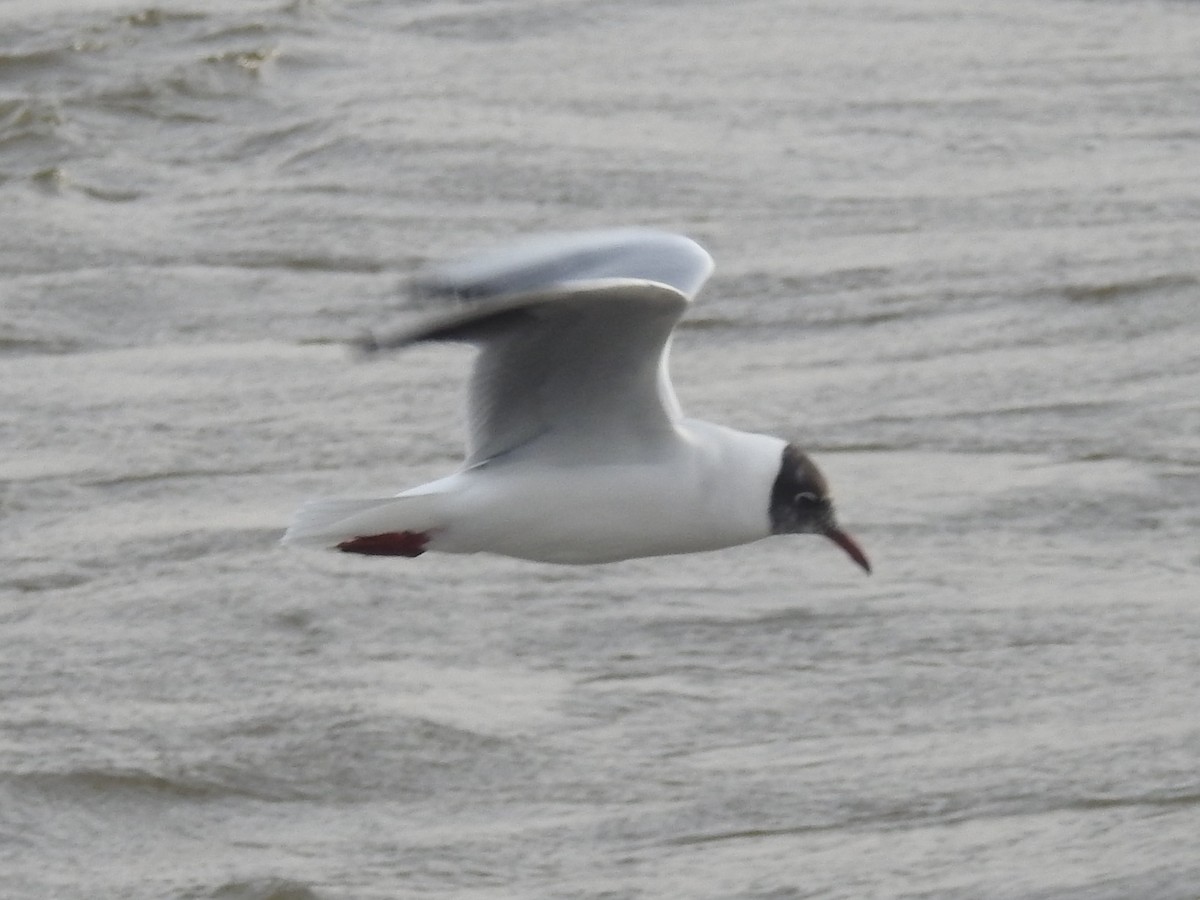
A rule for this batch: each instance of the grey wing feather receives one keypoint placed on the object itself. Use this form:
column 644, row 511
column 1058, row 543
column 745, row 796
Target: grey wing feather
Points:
column 573, row 333
column 583, row 369
column 587, row 380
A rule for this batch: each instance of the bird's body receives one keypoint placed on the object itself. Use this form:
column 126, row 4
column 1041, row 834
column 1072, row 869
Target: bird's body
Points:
column 578, row 451
column 682, row 502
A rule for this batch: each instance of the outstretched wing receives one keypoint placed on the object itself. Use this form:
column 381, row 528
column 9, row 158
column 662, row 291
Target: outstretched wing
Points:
column 573, row 332
column 543, row 261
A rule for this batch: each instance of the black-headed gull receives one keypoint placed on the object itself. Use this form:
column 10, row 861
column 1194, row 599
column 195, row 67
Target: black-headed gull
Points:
column 578, row 451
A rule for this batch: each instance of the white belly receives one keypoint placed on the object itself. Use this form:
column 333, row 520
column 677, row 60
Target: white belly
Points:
column 697, row 500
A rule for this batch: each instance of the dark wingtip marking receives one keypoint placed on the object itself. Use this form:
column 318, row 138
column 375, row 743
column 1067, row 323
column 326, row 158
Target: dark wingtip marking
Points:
column 392, row 543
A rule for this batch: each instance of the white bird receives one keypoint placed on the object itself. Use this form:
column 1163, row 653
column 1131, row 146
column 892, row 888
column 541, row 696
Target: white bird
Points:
column 578, row 451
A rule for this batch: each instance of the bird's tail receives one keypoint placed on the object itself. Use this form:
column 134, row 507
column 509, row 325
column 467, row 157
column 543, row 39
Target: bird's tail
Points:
column 328, row 522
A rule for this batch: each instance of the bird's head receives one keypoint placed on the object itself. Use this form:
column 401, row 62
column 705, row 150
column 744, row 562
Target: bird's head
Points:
column 800, row 504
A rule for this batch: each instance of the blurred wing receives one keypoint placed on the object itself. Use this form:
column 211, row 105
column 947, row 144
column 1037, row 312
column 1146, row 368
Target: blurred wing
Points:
column 538, row 263
column 581, row 369
column 573, row 330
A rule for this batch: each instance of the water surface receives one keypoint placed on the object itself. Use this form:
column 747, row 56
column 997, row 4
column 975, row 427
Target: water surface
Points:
column 956, row 259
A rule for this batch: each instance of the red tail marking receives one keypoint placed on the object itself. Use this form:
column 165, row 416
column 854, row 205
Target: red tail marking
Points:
column 393, row 543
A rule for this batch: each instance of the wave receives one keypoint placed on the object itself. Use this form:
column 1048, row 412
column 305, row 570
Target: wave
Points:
column 29, row 119
column 287, row 755
column 937, row 810
column 81, row 784
column 36, row 345
column 257, row 889
column 21, row 63
column 1124, row 289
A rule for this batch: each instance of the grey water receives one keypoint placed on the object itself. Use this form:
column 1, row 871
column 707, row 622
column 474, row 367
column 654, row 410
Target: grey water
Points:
column 956, row 250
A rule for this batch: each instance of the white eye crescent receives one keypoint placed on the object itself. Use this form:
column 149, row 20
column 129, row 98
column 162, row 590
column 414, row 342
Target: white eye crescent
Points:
column 805, row 497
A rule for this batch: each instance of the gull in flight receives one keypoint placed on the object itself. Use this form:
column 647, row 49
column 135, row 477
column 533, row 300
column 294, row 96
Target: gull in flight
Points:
column 577, row 449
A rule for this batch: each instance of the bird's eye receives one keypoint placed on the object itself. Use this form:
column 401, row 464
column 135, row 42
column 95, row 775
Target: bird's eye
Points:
column 805, row 497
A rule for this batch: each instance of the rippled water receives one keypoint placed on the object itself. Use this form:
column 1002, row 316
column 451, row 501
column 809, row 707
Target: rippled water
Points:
column 956, row 248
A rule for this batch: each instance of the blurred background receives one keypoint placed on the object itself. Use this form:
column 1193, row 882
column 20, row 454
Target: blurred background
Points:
column 956, row 259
